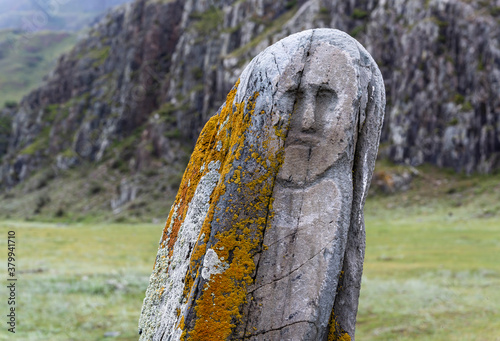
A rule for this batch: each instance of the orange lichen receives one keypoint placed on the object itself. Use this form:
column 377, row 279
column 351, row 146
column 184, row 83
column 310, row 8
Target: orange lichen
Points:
column 240, row 206
column 219, row 304
column 335, row 331
column 181, row 323
column 218, row 307
column 220, row 133
column 209, row 152
column 203, row 154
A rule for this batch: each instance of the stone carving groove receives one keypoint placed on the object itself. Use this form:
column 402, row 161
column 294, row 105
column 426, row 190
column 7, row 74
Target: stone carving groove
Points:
column 265, row 240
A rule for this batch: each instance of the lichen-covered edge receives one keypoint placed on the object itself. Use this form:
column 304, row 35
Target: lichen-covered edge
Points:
column 212, row 298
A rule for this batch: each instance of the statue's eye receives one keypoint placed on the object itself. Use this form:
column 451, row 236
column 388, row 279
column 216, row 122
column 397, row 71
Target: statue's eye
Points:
column 326, row 100
column 325, row 93
column 286, row 101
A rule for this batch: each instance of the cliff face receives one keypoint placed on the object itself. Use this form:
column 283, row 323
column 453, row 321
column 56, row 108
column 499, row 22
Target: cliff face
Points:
column 441, row 62
column 145, row 80
column 101, row 92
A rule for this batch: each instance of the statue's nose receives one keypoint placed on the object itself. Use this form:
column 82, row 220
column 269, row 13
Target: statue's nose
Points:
column 308, row 117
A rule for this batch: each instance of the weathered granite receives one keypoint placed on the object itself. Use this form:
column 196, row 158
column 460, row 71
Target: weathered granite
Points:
column 265, row 240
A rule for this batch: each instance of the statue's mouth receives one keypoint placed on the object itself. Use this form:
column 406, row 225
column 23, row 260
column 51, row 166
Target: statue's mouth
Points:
column 305, row 140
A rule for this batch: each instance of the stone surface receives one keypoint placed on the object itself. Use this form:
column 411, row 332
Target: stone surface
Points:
column 265, row 240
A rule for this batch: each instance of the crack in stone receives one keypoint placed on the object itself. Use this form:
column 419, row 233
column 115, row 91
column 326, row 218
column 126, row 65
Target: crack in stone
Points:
column 277, row 66
column 308, row 172
column 294, row 270
column 297, row 224
column 319, row 177
column 276, row 175
column 298, row 230
column 280, row 328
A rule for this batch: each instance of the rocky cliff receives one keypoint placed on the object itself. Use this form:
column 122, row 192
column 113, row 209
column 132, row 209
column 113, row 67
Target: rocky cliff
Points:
column 132, row 97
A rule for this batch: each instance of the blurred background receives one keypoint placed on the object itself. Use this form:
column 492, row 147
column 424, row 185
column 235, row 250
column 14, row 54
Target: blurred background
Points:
column 101, row 103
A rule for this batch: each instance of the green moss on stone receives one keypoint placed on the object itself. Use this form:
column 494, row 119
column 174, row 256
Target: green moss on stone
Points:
column 50, row 113
column 39, row 144
column 359, row 14
column 208, row 21
column 459, row 99
column 357, row 30
column 467, row 106
column 272, row 28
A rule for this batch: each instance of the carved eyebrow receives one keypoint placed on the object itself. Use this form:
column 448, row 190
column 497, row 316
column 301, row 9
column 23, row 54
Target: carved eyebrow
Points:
column 293, row 88
column 324, row 90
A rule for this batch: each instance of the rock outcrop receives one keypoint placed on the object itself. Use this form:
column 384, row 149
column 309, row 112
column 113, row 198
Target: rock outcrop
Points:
column 265, row 240
column 139, row 88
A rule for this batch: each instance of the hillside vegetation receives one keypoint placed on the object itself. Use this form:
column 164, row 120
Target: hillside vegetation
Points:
column 25, row 60
column 33, row 35
column 60, row 15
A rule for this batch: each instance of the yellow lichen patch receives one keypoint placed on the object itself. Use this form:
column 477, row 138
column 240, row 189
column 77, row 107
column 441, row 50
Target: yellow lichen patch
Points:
column 192, row 175
column 220, row 134
column 222, row 295
column 205, row 152
column 335, row 331
column 242, row 224
column 181, row 323
column 209, row 153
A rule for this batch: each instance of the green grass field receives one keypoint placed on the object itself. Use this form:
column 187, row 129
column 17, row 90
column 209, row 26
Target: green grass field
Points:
column 79, row 282
column 432, row 269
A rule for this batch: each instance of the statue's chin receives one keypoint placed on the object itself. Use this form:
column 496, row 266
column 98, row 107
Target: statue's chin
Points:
column 304, row 164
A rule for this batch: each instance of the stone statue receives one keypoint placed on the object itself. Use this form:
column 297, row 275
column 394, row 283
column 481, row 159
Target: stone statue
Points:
column 265, row 240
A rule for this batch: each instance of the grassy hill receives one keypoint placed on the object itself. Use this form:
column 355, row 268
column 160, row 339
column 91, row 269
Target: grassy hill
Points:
column 33, row 34
column 52, row 15
column 25, row 60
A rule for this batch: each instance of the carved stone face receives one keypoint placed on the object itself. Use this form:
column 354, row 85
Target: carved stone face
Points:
column 316, row 137
column 303, row 101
